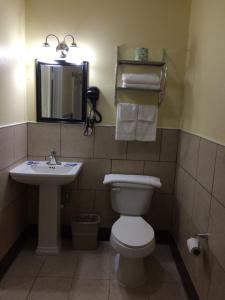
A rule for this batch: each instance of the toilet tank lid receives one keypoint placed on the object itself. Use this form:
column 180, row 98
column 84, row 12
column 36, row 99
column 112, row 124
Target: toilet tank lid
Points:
column 137, row 179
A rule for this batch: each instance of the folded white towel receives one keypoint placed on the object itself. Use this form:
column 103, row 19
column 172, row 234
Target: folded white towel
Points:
column 125, row 131
column 141, row 179
column 146, row 130
column 146, row 113
column 141, row 86
column 126, row 121
column 143, row 78
column 127, row 111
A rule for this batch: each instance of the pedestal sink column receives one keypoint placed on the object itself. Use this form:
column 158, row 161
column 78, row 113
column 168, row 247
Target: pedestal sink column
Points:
column 49, row 240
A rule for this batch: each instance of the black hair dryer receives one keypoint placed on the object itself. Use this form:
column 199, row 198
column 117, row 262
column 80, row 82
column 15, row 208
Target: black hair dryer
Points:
column 94, row 115
column 93, row 95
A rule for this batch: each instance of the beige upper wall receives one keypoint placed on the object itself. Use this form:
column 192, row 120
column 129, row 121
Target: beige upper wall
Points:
column 204, row 97
column 12, row 66
column 100, row 26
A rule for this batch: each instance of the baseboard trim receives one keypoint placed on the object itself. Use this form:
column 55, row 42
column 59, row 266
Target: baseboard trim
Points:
column 11, row 254
column 185, row 277
column 104, row 234
column 163, row 237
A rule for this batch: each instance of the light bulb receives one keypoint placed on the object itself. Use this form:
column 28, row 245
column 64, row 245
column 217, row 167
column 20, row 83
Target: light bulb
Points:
column 74, row 55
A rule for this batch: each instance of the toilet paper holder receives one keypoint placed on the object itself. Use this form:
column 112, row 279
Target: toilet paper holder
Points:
column 194, row 244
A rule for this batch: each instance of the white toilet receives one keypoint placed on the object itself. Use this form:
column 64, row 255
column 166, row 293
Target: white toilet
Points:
column 131, row 236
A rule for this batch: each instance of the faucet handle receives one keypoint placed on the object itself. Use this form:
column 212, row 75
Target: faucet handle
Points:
column 53, row 159
column 53, row 153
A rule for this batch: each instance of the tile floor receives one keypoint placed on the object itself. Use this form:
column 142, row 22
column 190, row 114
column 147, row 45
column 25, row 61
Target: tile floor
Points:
column 87, row 275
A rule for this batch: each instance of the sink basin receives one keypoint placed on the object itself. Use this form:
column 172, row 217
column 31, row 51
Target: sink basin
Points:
column 39, row 172
column 49, row 178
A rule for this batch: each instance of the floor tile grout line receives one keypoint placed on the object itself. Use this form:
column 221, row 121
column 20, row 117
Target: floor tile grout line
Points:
column 108, row 289
column 108, row 280
column 75, row 268
column 35, row 278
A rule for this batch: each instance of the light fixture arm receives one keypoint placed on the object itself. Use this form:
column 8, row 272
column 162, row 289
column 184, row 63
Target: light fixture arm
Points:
column 46, row 44
column 73, row 44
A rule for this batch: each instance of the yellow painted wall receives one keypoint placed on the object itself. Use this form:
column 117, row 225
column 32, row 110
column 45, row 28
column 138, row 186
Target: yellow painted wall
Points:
column 99, row 26
column 12, row 66
column 204, row 97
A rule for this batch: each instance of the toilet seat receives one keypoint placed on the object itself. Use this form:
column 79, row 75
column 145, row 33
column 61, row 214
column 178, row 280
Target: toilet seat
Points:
column 132, row 236
column 133, row 231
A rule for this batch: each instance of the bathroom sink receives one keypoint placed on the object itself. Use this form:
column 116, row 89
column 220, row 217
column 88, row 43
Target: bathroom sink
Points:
column 49, row 177
column 39, row 172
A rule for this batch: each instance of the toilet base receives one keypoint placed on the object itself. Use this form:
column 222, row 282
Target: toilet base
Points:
column 130, row 271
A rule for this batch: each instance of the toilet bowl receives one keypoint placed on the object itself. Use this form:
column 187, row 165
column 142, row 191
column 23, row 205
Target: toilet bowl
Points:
column 133, row 239
column 131, row 236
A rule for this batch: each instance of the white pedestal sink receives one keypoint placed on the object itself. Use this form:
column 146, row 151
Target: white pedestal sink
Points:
column 49, row 178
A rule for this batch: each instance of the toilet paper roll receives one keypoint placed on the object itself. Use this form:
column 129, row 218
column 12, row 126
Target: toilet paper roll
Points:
column 193, row 245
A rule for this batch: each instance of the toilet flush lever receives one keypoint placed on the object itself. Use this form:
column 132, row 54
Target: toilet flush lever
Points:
column 204, row 236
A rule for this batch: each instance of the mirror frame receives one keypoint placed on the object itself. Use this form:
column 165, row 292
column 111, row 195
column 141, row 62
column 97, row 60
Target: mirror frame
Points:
column 38, row 65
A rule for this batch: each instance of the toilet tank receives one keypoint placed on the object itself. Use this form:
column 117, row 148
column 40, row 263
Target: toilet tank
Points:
column 130, row 198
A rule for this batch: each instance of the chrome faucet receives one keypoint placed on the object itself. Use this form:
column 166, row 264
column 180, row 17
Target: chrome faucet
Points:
column 52, row 159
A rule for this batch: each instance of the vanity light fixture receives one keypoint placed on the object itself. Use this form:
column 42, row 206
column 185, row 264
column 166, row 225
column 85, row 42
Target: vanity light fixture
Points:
column 62, row 46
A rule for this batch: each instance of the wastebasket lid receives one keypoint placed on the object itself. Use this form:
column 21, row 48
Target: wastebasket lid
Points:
column 86, row 218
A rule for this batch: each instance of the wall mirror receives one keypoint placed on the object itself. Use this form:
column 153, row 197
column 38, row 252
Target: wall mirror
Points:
column 61, row 90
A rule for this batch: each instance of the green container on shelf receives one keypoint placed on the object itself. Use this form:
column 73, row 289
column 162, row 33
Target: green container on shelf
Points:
column 141, row 54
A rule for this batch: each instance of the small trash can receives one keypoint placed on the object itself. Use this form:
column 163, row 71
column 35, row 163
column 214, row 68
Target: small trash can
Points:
column 85, row 231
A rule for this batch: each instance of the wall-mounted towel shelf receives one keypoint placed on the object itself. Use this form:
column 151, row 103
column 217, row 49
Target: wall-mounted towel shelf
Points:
column 141, row 63
column 138, row 89
column 161, row 68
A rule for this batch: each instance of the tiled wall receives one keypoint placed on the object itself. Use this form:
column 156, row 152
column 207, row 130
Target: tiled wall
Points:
column 101, row 154
column 13, row 149
column 199, row 204
column 199, row 208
